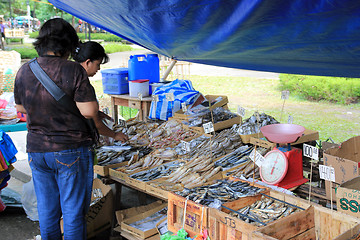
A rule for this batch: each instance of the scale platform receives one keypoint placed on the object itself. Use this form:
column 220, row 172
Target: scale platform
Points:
column 283, row 166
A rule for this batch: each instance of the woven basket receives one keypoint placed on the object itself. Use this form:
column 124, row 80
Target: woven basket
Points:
column 6, row 82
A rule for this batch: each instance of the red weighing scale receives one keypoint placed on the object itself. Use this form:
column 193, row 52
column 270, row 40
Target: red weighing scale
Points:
column 283, row 166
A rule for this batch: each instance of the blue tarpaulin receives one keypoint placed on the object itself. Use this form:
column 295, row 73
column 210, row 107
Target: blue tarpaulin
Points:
column 314, row 37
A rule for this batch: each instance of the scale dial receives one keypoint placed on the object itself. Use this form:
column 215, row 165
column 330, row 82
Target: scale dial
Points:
column 274, row 167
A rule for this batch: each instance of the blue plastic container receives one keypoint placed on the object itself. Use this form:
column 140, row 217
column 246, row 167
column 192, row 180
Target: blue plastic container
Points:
column 115, row 81
column 144, row 67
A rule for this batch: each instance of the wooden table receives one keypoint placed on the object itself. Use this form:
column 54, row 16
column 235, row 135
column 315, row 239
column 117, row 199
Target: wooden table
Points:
column 132, row 102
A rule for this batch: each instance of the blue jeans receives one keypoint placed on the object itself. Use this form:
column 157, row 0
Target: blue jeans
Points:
column 63, row 185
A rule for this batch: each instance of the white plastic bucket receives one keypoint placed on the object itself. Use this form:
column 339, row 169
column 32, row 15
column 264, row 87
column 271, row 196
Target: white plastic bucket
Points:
column 139, row 86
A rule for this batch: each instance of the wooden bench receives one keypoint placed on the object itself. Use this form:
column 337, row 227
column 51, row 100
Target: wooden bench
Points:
column 8, row 39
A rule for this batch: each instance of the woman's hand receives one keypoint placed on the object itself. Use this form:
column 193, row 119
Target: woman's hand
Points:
column 119, row 136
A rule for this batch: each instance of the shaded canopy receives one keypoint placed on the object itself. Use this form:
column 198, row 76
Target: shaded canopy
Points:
column 314, row 37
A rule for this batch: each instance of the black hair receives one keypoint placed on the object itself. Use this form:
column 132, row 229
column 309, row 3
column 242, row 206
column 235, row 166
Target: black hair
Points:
column 90, row 50
column 58, row 36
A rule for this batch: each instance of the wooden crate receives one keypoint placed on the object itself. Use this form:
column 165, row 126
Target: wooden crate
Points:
column 223, row 226
column 118, row 174
column 222, row 125
column 104, row 170
column 196, row 216
column 313, row 223
column 352, row 233
column 125, row 224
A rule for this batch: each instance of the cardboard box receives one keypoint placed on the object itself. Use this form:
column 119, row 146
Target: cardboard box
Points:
column 104, row 170
column 348, row 197
column 127, row 213
column 181, row 116
column 344, row 159
column 222, row 125
column 100, row 214
column 331, row 185
column 221, row 103
column 125, row 224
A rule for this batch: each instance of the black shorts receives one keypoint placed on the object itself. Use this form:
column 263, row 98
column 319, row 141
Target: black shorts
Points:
column 3, row 35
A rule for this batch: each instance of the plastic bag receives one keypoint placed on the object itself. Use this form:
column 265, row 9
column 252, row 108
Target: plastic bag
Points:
column 183, row 92
column 29, row 201
column 181, row 235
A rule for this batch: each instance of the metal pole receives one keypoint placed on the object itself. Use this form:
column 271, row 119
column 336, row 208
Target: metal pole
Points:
column 168, row 70
column 89, row 31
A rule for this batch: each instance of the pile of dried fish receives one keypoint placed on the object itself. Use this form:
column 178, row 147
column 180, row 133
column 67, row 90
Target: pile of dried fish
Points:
column 157, row 172
column 235, row 158
column 255, row 122
column 167, row 134
column 222, row 190
column 200, row 166
column 245, row 166
column 239, row 157
column 153, row 159
column 264, row 211
column 106, row 157
column 224, row 142
column 218, row 114
column 194, row 173
column 193, row 144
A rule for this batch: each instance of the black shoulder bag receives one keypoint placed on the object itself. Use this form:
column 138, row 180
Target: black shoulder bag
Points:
column 62, row 98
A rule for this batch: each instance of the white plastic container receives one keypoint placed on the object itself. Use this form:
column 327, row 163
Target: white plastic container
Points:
column 139, row 86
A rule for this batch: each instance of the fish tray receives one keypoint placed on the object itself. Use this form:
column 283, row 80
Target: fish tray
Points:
column 125, row 224
column 118, row 174
column 104, row 170
column 196, row 215
column 155, row 191
column 221, row 125
column 163, row 194
column 223, row 226
column 181, row 116
column 312, row 223
column 352, row 233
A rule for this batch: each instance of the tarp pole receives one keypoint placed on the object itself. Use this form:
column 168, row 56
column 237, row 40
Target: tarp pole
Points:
column 168, row 70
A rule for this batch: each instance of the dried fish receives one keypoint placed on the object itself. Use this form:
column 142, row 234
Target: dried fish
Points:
column 157, row 172
column 218, row 114
column 223, row 190
column 264, row 211
column 107, row 157
column 253, row 124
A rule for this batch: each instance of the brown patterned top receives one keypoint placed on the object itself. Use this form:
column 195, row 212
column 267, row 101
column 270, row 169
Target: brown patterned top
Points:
column 50, row 126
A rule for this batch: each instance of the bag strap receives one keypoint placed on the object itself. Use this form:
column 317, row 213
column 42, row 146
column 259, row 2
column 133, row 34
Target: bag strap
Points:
column 60, row 96
column 45, row 80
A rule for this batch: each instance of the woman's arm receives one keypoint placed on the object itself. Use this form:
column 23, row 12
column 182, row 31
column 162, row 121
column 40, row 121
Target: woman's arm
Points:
column 91, row 110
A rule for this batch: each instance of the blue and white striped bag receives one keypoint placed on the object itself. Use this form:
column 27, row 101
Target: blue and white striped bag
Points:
column 183, row 92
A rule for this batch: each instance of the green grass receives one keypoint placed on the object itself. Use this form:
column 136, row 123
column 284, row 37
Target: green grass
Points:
column 332, row 89
column 26, row 50
column 116, row 47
